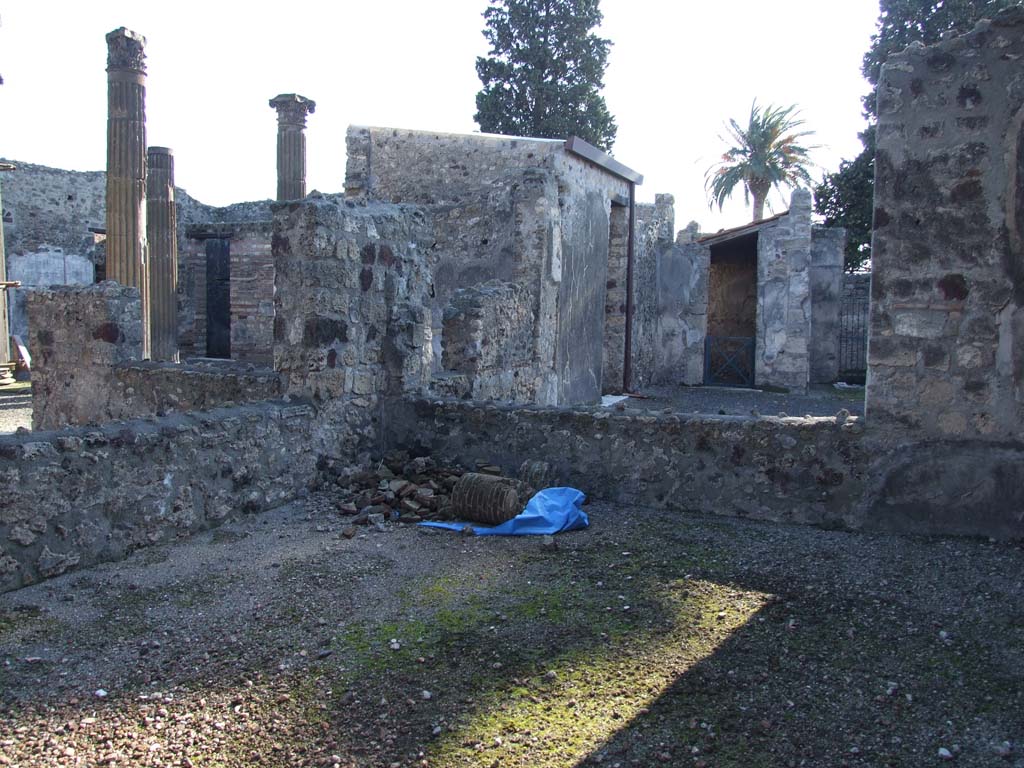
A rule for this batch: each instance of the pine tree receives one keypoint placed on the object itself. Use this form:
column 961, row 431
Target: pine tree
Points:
column 545, row 71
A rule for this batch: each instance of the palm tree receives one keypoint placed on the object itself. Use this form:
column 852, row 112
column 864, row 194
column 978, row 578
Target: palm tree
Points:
column 767, row 153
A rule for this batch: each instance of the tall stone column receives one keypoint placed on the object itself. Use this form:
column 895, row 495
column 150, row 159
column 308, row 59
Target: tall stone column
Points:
column 291, row 144
column 126, row 166
column 162, row 234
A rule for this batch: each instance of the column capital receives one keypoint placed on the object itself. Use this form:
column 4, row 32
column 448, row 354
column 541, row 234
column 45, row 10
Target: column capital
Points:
column 292, row 108
column 126, row 50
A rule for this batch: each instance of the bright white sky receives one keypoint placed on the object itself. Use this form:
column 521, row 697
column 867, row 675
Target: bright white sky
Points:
column 677, row 70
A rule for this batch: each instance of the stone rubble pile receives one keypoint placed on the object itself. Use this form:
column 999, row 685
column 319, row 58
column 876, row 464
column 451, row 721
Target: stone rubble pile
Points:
column 408, row 490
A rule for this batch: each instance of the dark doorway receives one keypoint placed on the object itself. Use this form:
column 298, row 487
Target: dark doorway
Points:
column 218, row 297
column 732, row 313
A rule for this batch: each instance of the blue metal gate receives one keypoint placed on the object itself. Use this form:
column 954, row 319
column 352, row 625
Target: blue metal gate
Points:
column 729, row 361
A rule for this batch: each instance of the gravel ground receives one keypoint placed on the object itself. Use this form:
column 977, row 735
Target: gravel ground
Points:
column 648, row 639
column 823, row 400
column 15, row 406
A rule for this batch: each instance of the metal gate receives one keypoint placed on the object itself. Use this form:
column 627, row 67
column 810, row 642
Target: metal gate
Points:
column 853, row 337
column 218, row 297
column 729, row 360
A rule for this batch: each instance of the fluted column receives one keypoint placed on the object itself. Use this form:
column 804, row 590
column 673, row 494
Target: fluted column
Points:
column 162, row 236
column 126, row 166
column 291, row 144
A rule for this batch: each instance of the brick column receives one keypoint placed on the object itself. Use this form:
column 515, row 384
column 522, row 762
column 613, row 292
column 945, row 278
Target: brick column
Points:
column 291, row 144
column 162, row 234
column 126, row 166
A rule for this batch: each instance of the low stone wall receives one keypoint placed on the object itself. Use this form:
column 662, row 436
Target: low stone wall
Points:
column 791, row 469
column 82, row 496
column 800, row 470
column 147, row 389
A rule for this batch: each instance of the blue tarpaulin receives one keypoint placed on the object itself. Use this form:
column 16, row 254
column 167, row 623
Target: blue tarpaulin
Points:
column 550, row 511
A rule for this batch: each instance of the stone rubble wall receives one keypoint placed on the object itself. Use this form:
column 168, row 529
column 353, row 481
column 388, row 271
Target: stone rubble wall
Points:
column 522, row 211
column 946, row 353
column 826, row 276
column 89, row 368
column 351, row 304
column 83, row 496
column 430, row 168
column 77, row 335
column 615, row 301
column 791, row 469
column 824, row 471
column 488, row 340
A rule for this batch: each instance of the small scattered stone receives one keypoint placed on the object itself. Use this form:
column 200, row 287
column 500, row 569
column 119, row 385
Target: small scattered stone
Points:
column 945, row 754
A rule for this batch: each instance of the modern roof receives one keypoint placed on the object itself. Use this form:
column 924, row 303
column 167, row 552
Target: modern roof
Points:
column 745, row 229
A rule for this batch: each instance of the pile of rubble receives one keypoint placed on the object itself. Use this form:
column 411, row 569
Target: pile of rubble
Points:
column 408, row 490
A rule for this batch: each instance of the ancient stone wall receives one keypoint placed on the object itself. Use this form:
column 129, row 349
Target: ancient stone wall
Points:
column 784, row 300
column 946, row 353
column 826, row 278
column 351, row 303
column 82, row 496
column 682, row 309
column 89, row 368
column 488, row 341
column 829, row 471
column 518, row 210
column 793, row 469
column 78, row 335
column 615, row 300
column 430, row 168
column 48, row 213
column 654, row 225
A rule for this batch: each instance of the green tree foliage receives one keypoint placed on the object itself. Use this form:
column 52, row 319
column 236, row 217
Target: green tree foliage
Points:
column 845, row 198
column 766, row 153
column 545, row 71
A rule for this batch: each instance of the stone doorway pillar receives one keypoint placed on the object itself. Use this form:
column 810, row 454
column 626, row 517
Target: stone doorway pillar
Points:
column 291, row 144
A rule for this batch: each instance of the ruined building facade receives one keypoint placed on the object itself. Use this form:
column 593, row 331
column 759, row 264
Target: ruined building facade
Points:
column 468, row 297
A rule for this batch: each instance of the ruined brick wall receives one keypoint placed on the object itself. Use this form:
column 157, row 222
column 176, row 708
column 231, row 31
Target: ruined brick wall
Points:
column 82, row 496
column 251, row 302
column 784, row 299
column 351, row 304
column 488, row 341
column 78, row 335
column 946, row 353
column 826, row 279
